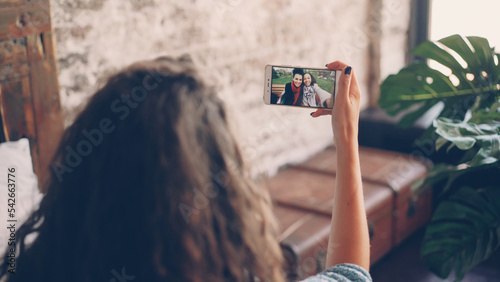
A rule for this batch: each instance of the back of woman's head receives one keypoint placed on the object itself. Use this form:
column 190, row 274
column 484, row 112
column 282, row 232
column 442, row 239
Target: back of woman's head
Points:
column 148, row 182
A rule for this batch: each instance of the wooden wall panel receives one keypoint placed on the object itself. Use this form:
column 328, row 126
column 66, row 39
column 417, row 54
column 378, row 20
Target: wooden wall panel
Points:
column 29, row 96
column 21, row 19
column 2, row 129
column 13, row 58
column 15, row 3
column 16, row 104
column 45, row 91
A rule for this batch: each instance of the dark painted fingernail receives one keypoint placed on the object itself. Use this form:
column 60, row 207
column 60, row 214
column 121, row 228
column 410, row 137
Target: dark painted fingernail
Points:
column 326, row 65
column 312, row 113
column 347, row 70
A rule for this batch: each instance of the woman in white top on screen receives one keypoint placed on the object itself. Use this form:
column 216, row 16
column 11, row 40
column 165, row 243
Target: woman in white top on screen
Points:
column 313, row 95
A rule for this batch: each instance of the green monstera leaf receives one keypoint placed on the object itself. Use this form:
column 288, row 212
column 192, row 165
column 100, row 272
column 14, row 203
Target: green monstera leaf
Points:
column 474, row 82
column 464, row 231
column 481, row 140
column 465, row 227
column 466, row 135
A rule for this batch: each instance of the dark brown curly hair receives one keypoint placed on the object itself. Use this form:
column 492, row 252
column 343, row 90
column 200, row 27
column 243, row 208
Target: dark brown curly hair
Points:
column 149, row 182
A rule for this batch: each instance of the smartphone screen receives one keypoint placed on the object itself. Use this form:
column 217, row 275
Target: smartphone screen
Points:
column 301, row 87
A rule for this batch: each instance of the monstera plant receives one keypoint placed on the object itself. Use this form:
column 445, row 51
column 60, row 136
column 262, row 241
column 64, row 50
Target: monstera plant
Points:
column 464, row 92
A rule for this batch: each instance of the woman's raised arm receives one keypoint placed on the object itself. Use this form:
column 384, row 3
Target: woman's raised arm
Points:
column 349, row 240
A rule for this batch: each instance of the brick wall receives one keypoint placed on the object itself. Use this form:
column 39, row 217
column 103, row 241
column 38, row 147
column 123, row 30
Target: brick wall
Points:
column 233, row 40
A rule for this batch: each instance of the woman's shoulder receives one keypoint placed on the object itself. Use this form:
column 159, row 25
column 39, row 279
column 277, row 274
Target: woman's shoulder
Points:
column 342, row 272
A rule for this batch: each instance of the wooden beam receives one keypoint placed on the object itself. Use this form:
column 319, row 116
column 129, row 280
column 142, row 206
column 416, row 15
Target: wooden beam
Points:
column 13, row 59
column 18, row 117
column 3, row 133
column 45, row 92
column 17, row 21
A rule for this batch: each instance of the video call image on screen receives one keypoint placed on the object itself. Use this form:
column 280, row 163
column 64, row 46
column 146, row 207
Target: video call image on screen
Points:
column 302, row 87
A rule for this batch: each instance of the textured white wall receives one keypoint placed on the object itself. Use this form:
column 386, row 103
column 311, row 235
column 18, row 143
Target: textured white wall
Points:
column 232, row 39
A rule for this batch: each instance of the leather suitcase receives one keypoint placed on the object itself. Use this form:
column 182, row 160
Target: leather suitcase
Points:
column 303, row 198
column 394, row 170
column 304, row 238
column 303, row 202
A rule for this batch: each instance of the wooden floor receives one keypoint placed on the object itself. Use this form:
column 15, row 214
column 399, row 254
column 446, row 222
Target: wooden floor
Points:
column 404, row 264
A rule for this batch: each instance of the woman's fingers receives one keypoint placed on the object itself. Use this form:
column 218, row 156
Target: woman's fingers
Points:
column 341, row 66
column 348, row 89
column 344, row 85
column 321, row 112
column 337, row 65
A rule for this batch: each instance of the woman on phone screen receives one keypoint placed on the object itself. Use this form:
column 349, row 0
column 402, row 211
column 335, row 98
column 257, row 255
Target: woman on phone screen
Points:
column 293, row 93
column 164, row 195
column 313, row 95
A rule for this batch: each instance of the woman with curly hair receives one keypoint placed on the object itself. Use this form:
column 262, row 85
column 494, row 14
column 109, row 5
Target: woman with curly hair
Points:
column 148, row 184
column 313, row 95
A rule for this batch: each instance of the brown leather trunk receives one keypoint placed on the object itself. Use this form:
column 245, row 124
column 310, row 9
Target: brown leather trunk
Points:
column 303, row 198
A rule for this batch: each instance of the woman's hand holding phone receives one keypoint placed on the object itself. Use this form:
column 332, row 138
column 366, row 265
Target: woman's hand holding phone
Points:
column 345, row 113
column 349, row 239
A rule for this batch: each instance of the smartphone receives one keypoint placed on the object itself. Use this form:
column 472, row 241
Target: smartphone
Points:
column 300, row 86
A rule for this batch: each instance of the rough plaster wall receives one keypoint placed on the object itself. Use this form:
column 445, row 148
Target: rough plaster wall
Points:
column 231, row 39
